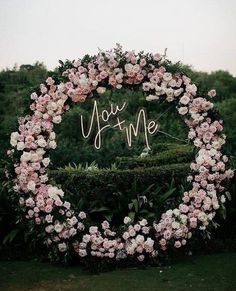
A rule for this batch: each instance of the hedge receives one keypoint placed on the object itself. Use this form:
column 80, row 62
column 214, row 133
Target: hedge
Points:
column 175, row 154
column 108, row 192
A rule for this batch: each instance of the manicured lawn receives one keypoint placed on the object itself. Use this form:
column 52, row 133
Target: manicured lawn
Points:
column 209, row 272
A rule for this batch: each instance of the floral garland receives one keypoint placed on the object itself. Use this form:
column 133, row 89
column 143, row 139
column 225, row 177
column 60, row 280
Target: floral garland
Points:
column 43, row 203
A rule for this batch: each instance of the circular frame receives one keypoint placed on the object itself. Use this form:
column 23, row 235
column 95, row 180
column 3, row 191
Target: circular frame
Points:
column 64, row 229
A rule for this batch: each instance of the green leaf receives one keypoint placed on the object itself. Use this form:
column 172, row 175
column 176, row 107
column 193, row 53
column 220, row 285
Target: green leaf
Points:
column 144, row 211
column 101, row 209
column 61, row 62
column 131, row 215
column 151, row 215
column 165, row 196
column 135, row 203
column 108, row 216
column 130, row 205
column 148, row 190
column 223, row 211
column 228, row 195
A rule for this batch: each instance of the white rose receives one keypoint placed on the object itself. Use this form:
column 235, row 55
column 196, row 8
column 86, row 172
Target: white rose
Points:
column 95, row 83
column 152, row 97
column 82, row 253
column 202, row 216
column 172, row 83
column 52, row 135
column 125, row 235
column 66, row 205
column 49, row 228
column 49, row 218
column 192, row 89
column 58, row 227
column 41, row 142
column 57, row 119
column 169, row 212
column 93, row 229
column 86, row 238
column 183, row 218
column 60, row 192
column 38, row 114
column 178, row 92
column 127, row 220
column 20, row 146
column 73, row 220
column 149, row 242
column 34, row 96
column 52, row 106
column 14, row 137
column 222, row 199
column 183, row 110
column 46, row 162
column 62, row 247
column 167, row 77
column 25, row 157
column 36, row 129
column 101, row 90
column 176, row 212
column 45, row 116
column 175, row 225
column 139, row 239
column 128, row 67
column 80, row 226
column 143, row 222
column 43, row 178
column 52, row 144
column 40, row 152
column 159, row 90
column 31, row 185
column 72, row 231
column 169, row 92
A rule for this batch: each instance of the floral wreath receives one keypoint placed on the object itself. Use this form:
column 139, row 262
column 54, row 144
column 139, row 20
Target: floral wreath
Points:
column 66, row 231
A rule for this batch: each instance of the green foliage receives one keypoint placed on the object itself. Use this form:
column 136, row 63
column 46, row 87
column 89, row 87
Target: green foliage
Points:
column 222, row 81
column 114, row 181
column 17, row 84
column 107, row 193
column 15, row 88
column 179, row 154
column 227, row 110
column 150, row 203
column 73, row 148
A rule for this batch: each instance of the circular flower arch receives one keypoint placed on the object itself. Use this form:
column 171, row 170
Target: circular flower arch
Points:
column 65, row 230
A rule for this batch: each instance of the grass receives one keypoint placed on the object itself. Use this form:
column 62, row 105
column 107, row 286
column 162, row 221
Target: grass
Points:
column 208, row 272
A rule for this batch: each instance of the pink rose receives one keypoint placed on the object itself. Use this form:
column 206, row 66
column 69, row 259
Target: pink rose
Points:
column 212, row 93
column 177, row 244
column 184, row 100
column 82, row 215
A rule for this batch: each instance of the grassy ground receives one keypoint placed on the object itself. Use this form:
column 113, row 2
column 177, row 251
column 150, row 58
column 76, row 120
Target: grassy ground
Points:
column 209, row 272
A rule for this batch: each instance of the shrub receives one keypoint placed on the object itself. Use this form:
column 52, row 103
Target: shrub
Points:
column 175, row 154
column 109, row 193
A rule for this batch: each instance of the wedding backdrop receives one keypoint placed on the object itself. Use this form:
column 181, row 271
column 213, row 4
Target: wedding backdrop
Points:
column 117, row 145
column 139, row 172
column 129, row 182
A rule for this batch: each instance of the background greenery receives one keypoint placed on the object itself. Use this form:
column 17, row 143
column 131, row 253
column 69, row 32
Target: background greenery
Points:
column 114, row 181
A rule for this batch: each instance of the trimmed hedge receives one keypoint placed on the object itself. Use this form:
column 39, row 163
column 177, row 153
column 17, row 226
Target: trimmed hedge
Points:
column 109, row 192
column 175, row 154
column 93, row 183
column 165, row 146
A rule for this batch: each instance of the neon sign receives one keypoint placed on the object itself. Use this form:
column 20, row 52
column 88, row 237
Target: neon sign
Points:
column 101, row 121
